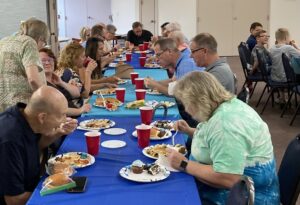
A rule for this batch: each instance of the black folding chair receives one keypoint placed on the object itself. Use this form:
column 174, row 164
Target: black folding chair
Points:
column 245, row 57
column 242, row 193
column 293, row 82
column 289, row 173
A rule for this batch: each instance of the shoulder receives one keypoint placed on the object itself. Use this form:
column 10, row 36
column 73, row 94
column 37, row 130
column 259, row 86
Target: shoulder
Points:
column 10, row 127
column 147, row 32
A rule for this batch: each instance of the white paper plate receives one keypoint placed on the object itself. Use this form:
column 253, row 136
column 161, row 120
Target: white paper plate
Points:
column 146, row 51
column 153, row 92
column 90, row 158
column 113, row 144
column 82, row 125
column 150, row 156
column 103, row 92
column 169, row 122
column 122, row 81
column 120, row 104
column 115, row 131
column 167, row 135
column 113, row 65
column 120, row 59
column 153, row 103
column 144, row 177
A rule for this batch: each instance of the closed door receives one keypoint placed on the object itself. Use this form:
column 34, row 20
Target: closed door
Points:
column 215, row 17
column 98, row 11
column 76, row 17
column 148, row 16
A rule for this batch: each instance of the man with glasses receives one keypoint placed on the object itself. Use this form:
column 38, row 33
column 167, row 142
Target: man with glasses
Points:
column 137, row 35
column 204, row 52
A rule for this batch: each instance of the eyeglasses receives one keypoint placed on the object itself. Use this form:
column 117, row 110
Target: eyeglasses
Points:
column 160, row 53
column 196, row 49
column 49, row 60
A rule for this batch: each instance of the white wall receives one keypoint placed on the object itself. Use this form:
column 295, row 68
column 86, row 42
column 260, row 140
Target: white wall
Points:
column 286, row 14
column 183, row 12
column 124, row 13
column 12, row 12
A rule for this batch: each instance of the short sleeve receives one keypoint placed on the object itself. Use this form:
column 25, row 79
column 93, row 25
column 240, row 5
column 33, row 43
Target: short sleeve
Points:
column 129, row 36
column 30, row 55
column 228, row 148
column 11, row 172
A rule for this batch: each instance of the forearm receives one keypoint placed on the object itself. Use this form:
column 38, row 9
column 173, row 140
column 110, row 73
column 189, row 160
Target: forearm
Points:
column 87, row 84
column 73, row 112
column 73, row 90
column 34, row 78
column 207, row 175
column 20, row 199
column 97, row 86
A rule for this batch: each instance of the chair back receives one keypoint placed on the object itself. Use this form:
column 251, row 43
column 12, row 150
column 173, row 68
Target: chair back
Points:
column 242, row 193
column 289, row 173
column 245, row 57
column 262, row 64
column 289, row 71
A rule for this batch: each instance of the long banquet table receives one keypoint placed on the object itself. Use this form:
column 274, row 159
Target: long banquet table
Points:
column 106, row 187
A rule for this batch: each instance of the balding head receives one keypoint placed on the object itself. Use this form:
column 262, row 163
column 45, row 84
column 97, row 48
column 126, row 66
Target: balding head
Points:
column 46, row 99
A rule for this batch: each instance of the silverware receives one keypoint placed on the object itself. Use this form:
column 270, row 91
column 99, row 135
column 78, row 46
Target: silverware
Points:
column 173, row 138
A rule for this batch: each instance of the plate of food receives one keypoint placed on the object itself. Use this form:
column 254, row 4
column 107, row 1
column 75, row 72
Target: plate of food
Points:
column 152, row 65
column 99, row 102
column 96, row 124
column 105, row 91
column 157, row 134
column 135, row 104
column 112, row 65
column 154, row 151
column 163, row 124
column 145, row 173
column 122, row 81
column 123, row 59
column 153, row 103
column 153, row 92
column 74, row 159
column 138, row 51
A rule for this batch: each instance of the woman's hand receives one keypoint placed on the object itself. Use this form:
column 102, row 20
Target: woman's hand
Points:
column 175, row 158
column 91, row 66
column 182, row 126
column 85, row 108
column 113, row 79
column 110, row 85
column 56, row 79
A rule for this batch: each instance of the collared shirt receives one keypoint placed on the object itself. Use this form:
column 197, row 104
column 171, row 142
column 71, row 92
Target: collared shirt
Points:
column 19, row 153
column 136, row 40
column 221, row 70
column 251, row 41
column 184, row 65
column 17, row 53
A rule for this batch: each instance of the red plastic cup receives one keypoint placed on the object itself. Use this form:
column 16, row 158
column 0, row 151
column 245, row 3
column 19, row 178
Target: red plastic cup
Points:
column 146, row 45
column 140, row 94
column 120, row 94
column 141, row 47
column 142, row 61
column 133, row 77
column 86, row 62
column 146, row 115
column 139, row 83
column 128, row 57
column 92, row 142
column 143, row 54
column 143, row 135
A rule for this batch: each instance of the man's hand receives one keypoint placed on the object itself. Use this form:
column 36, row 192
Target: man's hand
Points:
column 150, row 83
column 85, row 108
column 68, row 127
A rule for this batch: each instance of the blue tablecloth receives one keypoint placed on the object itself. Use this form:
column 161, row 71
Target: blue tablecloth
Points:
column 105, row 186
column 157, row 74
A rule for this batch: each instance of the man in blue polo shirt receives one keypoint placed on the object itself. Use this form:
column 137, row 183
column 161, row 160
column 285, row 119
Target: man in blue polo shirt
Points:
column 170, row 57
column 24, row 131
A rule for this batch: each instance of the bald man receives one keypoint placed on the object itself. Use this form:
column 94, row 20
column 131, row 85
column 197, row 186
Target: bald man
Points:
column 24, row 131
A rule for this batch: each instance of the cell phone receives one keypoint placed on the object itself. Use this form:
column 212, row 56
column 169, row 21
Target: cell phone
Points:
column 80, row 185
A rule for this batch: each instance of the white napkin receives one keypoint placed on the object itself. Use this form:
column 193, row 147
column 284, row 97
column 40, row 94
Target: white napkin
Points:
column 171, row 87
column 164, row 162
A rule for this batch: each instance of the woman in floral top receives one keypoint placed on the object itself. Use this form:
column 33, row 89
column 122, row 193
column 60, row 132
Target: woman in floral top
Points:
column 225, row 145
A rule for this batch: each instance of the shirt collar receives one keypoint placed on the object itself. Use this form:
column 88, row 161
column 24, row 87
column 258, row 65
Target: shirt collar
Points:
column 217, row 62
column 179, row 60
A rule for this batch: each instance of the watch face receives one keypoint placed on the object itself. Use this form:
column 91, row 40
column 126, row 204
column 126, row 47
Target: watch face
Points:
column 183, row 164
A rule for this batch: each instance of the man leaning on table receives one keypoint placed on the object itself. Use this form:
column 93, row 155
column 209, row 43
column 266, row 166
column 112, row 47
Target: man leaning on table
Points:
column 25, row 130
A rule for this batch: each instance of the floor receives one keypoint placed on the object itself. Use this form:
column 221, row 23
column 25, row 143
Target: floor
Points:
column 280, row 130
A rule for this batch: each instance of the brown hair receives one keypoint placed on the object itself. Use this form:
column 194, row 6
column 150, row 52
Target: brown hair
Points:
column 137, row 24
column 167, row 44
column 51, row 55
column 254, row 25
column 97, row 31
column 35, row 28
column 91, row 50
column 206, row 40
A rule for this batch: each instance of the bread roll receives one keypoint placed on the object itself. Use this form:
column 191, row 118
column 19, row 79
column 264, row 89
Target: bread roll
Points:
column 56, row 180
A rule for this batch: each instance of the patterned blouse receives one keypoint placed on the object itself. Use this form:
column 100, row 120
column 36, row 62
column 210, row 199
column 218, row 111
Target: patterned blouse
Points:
column 17, row 53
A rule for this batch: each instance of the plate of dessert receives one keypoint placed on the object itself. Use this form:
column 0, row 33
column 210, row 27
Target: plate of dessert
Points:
column 157, row 134
column 163, row 124
column 138, row 171
column 154, row 151
column 96, row 124
column 74, row 159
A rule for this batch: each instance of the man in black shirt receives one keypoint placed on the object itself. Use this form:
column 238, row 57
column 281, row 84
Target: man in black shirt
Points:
column 24, row 131
column 137, row 35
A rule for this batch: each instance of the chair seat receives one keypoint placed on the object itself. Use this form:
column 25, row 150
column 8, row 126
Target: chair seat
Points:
column 256, row 78
column 275, row 84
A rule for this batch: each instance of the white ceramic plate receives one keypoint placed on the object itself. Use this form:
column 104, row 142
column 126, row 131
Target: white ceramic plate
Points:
column 150, row 147
column 166, row 136
column 144, row 177
column 113, row 144
column 83, row 124
column 169, row 123
column 115, row 131
column 90, row 158
column 153, row 103
column 153, row 92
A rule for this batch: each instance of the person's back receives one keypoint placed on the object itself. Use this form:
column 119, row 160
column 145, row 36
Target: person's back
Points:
column 16, row 53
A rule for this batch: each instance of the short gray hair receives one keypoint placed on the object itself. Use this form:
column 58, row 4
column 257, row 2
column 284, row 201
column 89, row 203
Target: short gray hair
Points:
column 35, row 28
column 202, row 91
column 111, row 28
column 166, row 44
column 174, row 26
column 206, row 40
column 177, row 36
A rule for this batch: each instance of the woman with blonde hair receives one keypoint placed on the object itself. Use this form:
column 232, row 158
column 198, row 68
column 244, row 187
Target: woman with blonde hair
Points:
column 21, row 71
column 84, row 34
column 225, row 145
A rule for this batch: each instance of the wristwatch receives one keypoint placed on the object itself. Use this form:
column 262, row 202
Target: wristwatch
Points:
column 183, row 164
